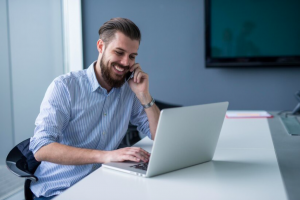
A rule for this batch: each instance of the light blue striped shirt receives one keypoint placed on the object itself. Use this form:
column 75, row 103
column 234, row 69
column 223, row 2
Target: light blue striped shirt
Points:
column 78, row 112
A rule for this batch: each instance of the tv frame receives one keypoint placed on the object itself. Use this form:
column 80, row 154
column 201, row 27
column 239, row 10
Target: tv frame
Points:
column 259, row 61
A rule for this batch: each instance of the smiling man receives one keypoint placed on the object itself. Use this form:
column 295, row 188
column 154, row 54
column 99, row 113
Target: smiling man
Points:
column 85, row 114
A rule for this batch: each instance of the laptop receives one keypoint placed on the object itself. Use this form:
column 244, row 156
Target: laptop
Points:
column 185, row 136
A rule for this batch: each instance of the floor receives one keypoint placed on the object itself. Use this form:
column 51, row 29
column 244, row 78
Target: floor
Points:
column 11, row 186
column 17, row 196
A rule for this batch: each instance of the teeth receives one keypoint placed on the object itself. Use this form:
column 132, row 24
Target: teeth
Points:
column 119, row 69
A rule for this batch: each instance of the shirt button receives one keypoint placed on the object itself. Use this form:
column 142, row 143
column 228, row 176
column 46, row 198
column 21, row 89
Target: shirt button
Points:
column 104, row 114
column 103, row 133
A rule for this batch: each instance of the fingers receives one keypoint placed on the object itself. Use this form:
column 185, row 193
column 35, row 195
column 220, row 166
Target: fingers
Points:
column 140, row 77
column 139, row 153
column 138, row 73
column 135, row 66
column 135, row 154
column 130, row 158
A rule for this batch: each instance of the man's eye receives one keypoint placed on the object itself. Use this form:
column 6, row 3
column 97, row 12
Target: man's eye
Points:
column 131, row 57
column 119, row 53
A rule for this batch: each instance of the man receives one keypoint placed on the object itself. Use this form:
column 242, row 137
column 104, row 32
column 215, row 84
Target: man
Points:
column 84, row 115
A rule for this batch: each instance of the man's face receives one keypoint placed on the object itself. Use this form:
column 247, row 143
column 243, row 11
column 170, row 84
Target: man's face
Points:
column 117, row 58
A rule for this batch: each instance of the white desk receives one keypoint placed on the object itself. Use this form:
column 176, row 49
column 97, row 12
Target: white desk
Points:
column 244, row 167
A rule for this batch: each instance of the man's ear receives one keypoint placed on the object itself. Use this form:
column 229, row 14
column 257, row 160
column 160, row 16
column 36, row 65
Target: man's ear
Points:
column 100, row 46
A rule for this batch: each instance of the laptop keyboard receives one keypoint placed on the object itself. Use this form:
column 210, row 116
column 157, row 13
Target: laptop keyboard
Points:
column 142, row 166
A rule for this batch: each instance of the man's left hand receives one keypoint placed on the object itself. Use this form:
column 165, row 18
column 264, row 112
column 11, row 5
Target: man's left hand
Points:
column 139, row 84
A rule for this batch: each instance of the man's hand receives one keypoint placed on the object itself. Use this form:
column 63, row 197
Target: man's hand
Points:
column 135, row 154
column 67, row 155
column 140, row 84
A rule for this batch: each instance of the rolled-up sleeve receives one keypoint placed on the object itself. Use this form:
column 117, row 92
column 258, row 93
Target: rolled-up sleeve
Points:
column 53, row 117
column 139, row 118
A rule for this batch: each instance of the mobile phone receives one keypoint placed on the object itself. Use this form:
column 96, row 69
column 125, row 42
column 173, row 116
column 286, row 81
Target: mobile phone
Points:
column 129, row 76
column 297, row 95
column 297, row 108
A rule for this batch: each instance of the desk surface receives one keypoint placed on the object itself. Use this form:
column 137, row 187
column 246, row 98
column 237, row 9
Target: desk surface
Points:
column 287, row 148
column 244, row 167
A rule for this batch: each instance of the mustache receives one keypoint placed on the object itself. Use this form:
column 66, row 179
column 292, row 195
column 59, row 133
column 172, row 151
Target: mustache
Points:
column 122, row 66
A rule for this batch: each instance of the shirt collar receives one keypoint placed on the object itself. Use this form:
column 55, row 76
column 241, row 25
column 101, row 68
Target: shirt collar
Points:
column 92, row 77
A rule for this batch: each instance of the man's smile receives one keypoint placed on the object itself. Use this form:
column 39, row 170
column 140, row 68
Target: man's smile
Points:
column 119, row 70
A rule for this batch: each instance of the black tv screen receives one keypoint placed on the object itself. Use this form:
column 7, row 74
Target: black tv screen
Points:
column 252, row 33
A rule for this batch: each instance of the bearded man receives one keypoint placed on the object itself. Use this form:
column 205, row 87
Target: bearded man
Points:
column 85, row 114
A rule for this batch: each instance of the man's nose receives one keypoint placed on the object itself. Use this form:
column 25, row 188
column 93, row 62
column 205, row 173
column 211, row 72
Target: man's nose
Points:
column 125, row 61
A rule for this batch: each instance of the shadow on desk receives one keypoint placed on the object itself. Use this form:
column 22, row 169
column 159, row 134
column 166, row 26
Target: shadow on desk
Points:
column 230, row 170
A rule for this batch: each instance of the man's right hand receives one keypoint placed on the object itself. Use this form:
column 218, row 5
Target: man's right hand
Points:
column 67, row 155
column 135, row 154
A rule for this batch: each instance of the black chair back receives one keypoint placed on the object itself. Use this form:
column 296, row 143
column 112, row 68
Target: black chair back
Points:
column 21, row 162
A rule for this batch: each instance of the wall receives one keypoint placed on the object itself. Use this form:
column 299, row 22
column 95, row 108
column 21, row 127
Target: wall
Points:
column 32, row 56
column 172, row 53
column 36, row 57
column 6, row 131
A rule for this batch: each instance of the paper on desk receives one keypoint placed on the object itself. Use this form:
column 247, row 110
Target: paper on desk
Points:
column 248, row 114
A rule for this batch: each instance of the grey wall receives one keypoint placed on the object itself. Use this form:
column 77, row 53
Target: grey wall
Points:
column 6, row 125
column 172, row 53
column 36, row 57
column 31, row 56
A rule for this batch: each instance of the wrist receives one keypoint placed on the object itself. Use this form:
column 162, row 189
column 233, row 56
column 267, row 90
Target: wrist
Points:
column 150, row 104
column 102, row 156
column 144, row 98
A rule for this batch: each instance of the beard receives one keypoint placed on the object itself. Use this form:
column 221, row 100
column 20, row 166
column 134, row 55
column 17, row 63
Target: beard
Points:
column 106, row 70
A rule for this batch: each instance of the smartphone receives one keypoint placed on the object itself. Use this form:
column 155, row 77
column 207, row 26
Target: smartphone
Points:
column 297, row 95
column 129, row 76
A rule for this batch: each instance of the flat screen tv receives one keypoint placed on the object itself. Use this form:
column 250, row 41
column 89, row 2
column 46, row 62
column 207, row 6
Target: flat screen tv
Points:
column 247, row 33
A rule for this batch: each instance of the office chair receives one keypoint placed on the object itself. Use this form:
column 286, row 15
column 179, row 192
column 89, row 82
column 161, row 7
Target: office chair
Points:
column 163, row 105
column 21, row 162
column 132, row 136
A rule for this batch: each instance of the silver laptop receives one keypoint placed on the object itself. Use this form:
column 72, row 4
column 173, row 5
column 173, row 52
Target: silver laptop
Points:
column 185, row 136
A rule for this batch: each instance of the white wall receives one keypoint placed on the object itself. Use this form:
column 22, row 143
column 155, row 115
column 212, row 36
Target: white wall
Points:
column 36, row 57
column 32, row 50
column 6, row 126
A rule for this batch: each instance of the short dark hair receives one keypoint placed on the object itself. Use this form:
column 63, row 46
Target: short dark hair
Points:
column 126, row 26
